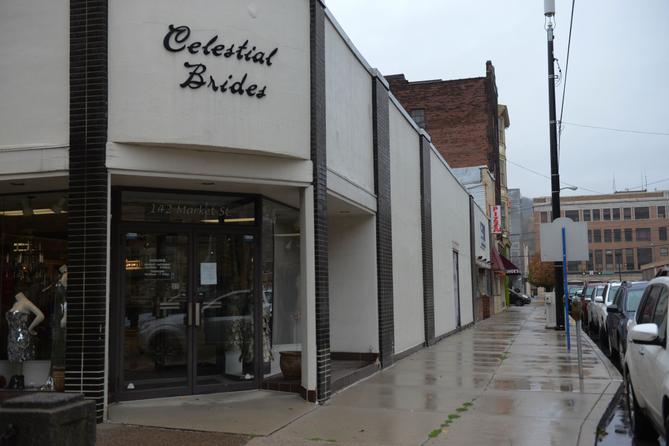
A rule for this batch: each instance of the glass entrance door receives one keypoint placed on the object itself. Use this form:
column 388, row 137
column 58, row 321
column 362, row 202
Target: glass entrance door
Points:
column 156, row 336
column 225, row 337
column 189, row 312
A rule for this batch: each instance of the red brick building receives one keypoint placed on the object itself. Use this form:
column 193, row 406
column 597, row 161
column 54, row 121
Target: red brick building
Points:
column 460, row 115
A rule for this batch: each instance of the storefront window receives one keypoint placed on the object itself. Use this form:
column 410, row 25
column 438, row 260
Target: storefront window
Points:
column 280, row 280
column 33, row 283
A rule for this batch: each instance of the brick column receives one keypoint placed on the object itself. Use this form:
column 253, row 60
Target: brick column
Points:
column 87, row 213
column 384, row 228
column 319, row 160
column 426, row 238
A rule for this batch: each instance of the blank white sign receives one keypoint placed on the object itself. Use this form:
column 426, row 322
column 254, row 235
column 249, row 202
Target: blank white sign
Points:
column 576, row 234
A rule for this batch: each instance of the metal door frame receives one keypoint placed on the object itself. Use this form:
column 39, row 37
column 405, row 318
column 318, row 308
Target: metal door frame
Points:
column 117, row 391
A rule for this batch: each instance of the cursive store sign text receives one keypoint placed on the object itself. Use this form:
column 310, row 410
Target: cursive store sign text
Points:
column 178, row 39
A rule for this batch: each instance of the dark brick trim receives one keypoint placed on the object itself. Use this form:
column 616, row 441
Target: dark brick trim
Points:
column 384, row 227
column 309, row 395
column 361, row 373
column 473, row 230
column 319, row 160
column 87, row 213
column 426, row 238
column 354, row 356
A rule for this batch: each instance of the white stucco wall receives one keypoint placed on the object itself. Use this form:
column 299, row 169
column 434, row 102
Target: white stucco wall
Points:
column 34, row 65
column 349, row 113
column 353, row 295
column 407, row 252
column 450, row 232
column 147, row 104
column 165, row 161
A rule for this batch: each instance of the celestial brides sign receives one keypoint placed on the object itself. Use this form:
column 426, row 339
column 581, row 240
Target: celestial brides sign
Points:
column 178, row 39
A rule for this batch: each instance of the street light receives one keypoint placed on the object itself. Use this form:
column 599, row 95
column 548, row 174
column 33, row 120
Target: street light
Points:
column 566, row 187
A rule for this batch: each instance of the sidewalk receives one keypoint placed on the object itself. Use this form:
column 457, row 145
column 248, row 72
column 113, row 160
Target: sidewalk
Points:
column 508, row 380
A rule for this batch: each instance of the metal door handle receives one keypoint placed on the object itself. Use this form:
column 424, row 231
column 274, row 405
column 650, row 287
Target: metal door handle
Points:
column 642, row 351
column 190, row 314
column 197, row 314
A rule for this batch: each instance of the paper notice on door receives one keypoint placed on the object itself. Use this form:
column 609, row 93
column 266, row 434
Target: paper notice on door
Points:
column 208, row 273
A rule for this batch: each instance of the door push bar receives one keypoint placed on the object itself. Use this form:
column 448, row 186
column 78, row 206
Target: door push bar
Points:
column 194, row 314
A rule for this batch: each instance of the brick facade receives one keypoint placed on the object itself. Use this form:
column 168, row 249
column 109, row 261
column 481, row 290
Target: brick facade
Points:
column 426, row 235
column 460, row 116
column 384, row 228
column 87, row 214
column 319, row 159
column 614, row 232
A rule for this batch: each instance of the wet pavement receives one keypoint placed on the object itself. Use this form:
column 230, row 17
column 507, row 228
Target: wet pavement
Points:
column 617, row 431
column 508, row 380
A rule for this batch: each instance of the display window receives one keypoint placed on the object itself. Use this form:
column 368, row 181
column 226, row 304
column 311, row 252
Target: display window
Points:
column 33, row 290
column 282, row 320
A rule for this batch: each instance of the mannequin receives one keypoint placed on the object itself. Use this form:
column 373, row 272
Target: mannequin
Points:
column 20, row 347
column 58, row 325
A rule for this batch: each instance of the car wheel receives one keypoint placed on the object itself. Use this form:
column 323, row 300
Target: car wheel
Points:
column 604, row 340
column 642, row 427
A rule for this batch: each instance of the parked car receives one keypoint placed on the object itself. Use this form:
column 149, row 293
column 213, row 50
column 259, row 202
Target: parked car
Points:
column 575, row 292
column 597, row 291
column 619, row 313
column 647, row 363
column 599, row 306
column 526, row 299
column 518, row 299
column 585, row 300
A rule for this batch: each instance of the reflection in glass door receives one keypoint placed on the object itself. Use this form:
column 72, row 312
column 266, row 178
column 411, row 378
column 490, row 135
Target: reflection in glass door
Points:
column 155, row 292
column 224, row 309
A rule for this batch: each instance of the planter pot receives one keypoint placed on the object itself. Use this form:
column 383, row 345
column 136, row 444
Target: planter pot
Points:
column 291, row 364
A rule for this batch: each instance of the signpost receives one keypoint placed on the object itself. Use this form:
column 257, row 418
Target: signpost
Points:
column 564, row 240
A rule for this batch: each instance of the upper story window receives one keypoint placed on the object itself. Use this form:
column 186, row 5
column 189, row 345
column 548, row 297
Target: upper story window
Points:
column 418, row 115
column 615, row 214
column 586, row 214
column 641, row 213
column 661, row 212
column 628, row 234
column 642, row 234
column 627, row 213
column 572, row 214
column 597, row 235
column 544, row 217
column 595, row 215
column 606, row 214
column 663, row 233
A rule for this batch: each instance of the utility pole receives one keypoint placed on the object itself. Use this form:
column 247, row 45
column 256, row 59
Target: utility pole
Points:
column 549, row 13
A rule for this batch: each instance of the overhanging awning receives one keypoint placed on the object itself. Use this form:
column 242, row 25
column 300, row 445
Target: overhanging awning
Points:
column 497, row 263
column 510, row 268
column 503, row 265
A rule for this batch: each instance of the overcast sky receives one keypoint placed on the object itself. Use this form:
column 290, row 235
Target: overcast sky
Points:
column 618, row 77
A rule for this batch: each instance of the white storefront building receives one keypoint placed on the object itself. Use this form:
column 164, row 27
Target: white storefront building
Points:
column 223, row 181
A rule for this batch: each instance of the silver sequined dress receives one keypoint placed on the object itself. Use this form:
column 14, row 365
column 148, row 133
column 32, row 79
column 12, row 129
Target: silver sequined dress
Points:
column 19, row 343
